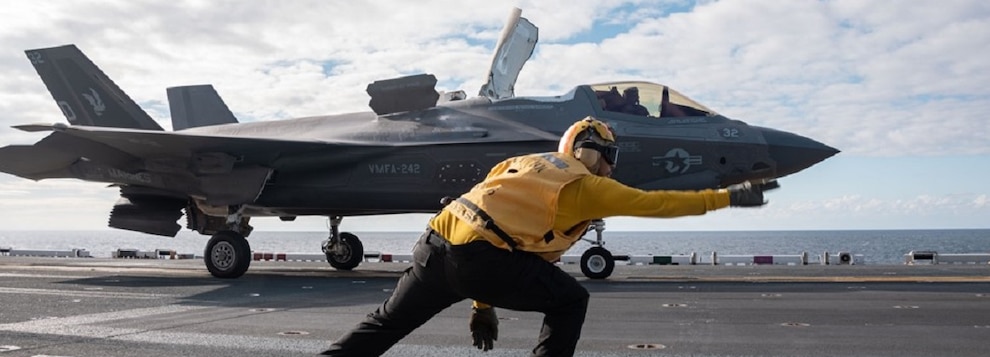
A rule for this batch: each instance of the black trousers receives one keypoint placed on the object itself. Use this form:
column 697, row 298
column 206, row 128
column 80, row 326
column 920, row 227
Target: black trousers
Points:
column 442, row 275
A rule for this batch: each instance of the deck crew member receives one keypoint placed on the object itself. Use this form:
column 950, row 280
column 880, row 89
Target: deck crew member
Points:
column 496, row 243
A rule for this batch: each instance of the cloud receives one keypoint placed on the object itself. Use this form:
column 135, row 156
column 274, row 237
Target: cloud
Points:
column 875, row 79
column 908, row 82
column 920, row 207
column 981, row 201
column 896, row 79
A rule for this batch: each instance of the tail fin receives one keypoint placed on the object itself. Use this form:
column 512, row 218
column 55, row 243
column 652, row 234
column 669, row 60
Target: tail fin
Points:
column 195, row 106
column 84, row 93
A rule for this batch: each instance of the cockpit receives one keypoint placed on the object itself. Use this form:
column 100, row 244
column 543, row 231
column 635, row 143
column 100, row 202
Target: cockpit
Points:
column 648, row 100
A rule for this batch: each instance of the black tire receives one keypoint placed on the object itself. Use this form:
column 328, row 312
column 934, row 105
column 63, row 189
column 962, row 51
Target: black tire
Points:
column 597, row 263
column 227, row 255
column 352, row 252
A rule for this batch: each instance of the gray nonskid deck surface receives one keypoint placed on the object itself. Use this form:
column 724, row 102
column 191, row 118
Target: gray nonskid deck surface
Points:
column 104, row 307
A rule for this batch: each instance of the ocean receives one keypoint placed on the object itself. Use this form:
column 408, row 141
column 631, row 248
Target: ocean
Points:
column 878, row 247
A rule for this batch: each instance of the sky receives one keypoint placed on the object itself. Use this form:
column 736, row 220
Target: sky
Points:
column 899, row 86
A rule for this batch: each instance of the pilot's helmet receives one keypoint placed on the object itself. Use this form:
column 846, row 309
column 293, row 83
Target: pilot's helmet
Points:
column 588, row 139
column 631, row 93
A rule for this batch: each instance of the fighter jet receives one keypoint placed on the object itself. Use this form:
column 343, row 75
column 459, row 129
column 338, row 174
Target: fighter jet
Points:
column 413, row 148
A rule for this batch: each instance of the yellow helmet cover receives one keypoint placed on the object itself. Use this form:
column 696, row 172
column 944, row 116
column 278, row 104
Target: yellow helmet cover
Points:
column 592, row 128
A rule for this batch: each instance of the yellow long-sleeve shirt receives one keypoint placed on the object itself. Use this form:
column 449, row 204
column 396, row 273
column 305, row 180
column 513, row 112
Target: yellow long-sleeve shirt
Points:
column 593, row 197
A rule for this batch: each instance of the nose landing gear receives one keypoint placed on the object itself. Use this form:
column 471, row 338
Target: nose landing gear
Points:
column 597, row 262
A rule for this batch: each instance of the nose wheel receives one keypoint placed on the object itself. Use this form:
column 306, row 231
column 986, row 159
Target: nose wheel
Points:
column 597, row 262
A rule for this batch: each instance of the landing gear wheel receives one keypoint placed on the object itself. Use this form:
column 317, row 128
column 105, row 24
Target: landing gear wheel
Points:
column 227, row 255
column 597, row 263
column 346, row 253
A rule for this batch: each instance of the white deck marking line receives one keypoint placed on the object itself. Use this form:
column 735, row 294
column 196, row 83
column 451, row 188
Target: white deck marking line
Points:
column 84, row 293
column 82, row 325
column 87, row 326
column 42, row 276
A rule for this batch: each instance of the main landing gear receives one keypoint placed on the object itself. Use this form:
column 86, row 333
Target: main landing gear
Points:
column 344, row 250
column 597, row 262
column 228, row 254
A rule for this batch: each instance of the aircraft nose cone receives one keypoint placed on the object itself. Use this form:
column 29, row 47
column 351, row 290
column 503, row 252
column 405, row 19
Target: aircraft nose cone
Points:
column 793, row 152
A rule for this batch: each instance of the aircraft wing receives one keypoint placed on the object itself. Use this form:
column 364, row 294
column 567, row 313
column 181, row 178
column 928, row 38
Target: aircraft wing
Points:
column 222, row 169
column 148, row 144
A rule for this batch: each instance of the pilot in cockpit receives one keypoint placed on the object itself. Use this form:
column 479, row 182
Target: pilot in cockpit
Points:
column 612, row 100
column 632, row 106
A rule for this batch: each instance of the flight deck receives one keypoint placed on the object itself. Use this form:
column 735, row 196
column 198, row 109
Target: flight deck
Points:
column 161, row 307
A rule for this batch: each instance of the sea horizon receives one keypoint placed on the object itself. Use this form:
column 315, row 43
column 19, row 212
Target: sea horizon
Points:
column 877, row 246
column 607, row 230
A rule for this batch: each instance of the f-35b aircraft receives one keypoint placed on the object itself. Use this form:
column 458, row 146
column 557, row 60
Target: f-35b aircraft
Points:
column 415, row 147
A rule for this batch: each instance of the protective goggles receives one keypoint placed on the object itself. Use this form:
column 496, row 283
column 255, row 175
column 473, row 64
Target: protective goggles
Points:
column 609, row 152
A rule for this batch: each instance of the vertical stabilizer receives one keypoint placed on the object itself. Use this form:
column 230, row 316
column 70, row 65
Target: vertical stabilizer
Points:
column 195, row 106
column 84, row 93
